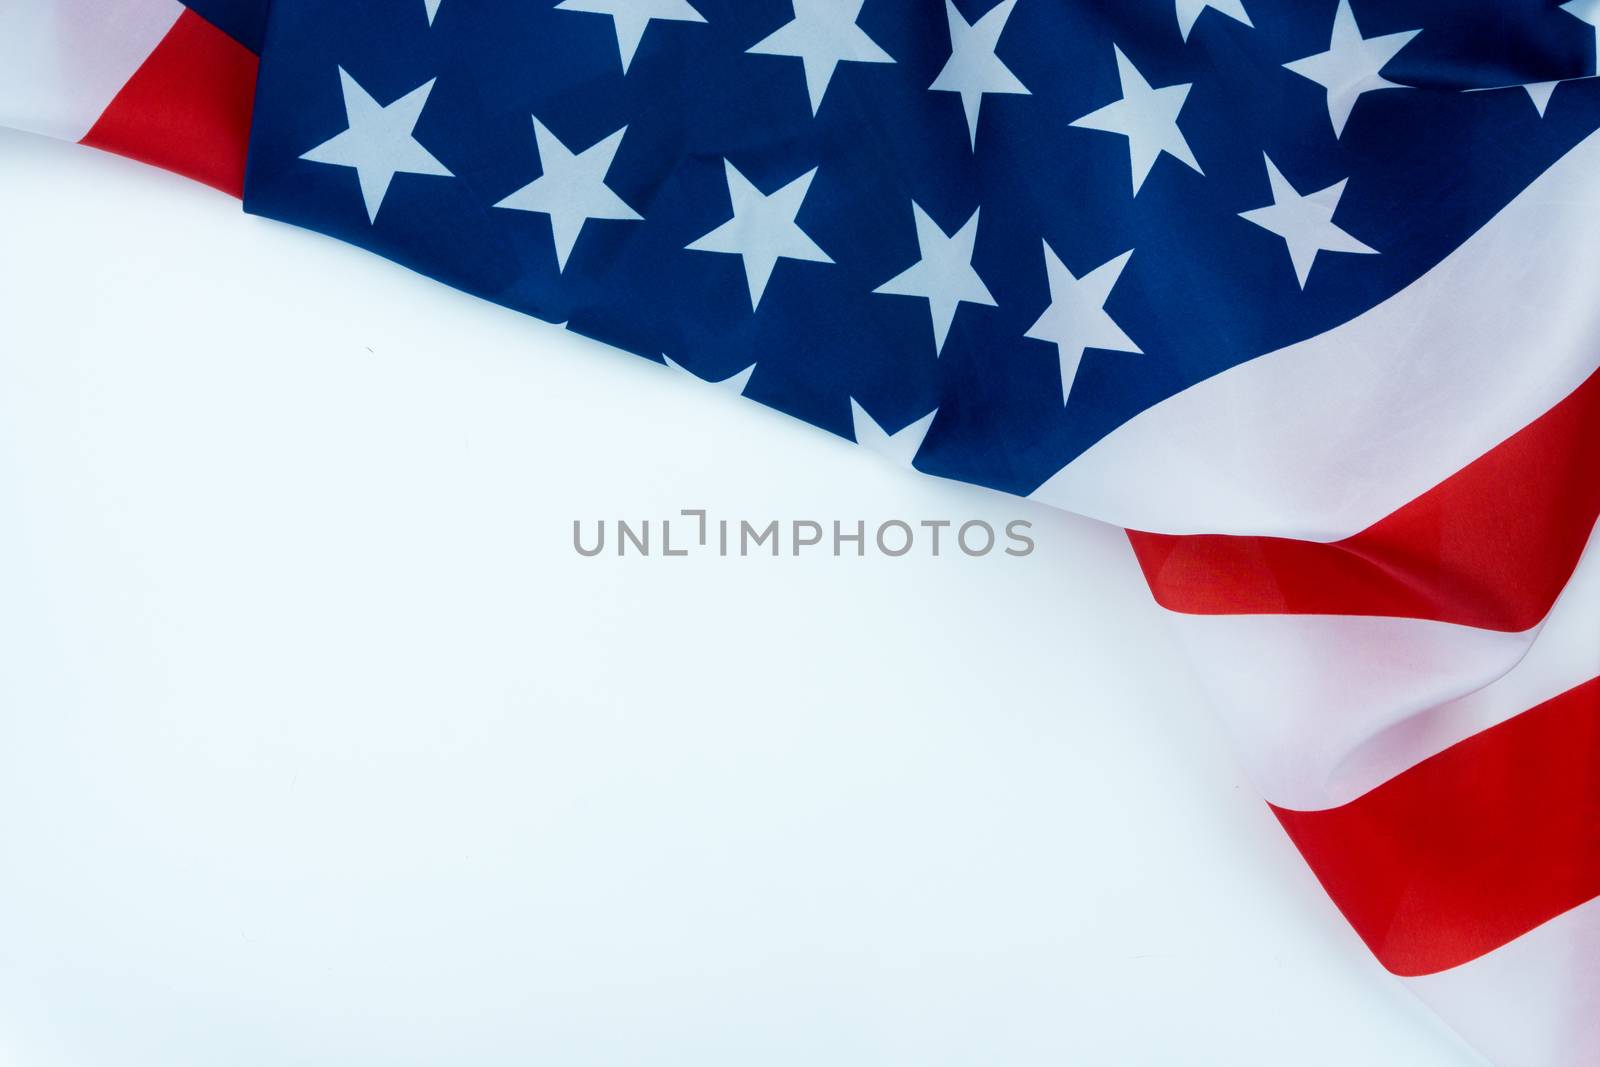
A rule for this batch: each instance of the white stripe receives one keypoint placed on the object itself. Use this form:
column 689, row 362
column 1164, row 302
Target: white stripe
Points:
column 62, row 61
column 1532, row 1003
column 1324, row 708
column 1319, row 440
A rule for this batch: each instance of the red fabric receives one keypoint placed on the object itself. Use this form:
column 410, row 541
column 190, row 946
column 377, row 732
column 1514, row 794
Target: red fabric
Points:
column 187, row 108
column 1491, row 546
column 1473, row 847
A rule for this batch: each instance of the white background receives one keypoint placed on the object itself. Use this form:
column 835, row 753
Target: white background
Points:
column 319, row 744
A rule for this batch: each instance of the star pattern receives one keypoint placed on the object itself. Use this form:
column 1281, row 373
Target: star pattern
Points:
column 632, row 17
column 572, row 188
column 1076, row 319
column 1190, row 10
column 973, row 68
column 822, row 34
column 735, row 383
column 1540, row 93
column 944, row 276
column 1147, row 117
column 1352, row 64
column 378, row 142
column 763, row 229
column 1304, row 222
column 900, row 447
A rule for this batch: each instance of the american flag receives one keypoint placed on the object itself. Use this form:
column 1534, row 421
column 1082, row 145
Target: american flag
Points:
column 1303, row 294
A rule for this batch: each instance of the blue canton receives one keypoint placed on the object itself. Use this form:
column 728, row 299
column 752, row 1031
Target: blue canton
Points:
column 1035, row 218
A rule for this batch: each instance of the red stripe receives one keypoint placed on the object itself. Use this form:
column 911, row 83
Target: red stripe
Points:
column 1470, row 848
column 187, row 109
column 1492, row 546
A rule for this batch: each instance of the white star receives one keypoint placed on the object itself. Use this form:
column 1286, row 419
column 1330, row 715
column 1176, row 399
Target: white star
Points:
column 822, row 34
column 733, row 383
column 433, row 9
column 1351, row 65
column 944, row 274
column 630, row 17
column 973, row 68
column 762, row 230
column 1304, row 222
column 900, row 447
column 1147, row 117
column 571, row 188
column 1588, row 11
column 1076, row 319
column 1189, row 10
column 1540, row 93
column 378, row 141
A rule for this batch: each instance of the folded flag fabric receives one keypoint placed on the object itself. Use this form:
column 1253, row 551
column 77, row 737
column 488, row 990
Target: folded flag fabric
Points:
column 1304, row 294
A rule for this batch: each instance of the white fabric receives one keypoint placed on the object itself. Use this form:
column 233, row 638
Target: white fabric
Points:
column 62, row 61
column 1534, row 1002
column 1324, row 708
column 1346, row 427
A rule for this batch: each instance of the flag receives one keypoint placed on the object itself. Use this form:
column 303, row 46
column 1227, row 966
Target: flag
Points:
column 1301, row 295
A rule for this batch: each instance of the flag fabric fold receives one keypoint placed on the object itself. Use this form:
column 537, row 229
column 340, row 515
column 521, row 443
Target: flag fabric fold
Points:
column 1303, row 296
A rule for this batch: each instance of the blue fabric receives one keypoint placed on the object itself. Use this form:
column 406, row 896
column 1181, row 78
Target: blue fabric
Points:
column 1203, row 290
column 243, row 20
